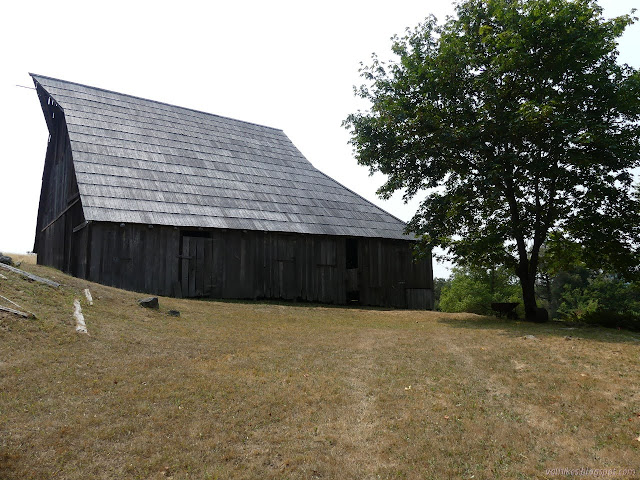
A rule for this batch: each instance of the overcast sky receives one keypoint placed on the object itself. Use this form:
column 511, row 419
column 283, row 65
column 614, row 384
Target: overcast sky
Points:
column 285, row 64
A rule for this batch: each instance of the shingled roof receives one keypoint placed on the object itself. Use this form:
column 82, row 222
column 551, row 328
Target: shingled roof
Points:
column 142, row 161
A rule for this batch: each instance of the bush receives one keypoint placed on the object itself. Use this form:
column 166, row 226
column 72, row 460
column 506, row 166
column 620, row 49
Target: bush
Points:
column 473, row 290
column 613, row 319
column 605, row 300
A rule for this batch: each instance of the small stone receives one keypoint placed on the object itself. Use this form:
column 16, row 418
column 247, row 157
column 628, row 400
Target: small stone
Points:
column 173, row 313
column 530, row 337
column 6, row 259
column 150, row 302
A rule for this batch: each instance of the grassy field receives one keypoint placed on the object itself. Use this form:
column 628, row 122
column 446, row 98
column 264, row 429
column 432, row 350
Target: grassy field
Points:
column 264, row 390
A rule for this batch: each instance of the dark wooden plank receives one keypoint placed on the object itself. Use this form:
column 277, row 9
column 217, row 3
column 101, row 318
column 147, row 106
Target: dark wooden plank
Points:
column 185, row 267
column 137, row 253
column 208, row 267
column 193, row 254
column 96, row 252
column 199, row 267
column 217, row 264
column 171, row 258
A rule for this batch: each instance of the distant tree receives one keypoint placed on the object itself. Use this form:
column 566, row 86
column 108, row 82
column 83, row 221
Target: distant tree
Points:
column 474, row 289
column 439, row 284
column 518, row 122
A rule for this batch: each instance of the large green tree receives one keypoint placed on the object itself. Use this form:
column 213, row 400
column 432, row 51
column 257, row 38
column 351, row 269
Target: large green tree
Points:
column 518, row 121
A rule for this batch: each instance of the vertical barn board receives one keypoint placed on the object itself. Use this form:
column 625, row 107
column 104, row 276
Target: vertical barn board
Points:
column 58, row 239
column 294, row 279
column 96, row 252
column 246, row 264
column 274, row 271
column 68, row 240
column 386, row 284
column 419, row 298
column 242, row 265
column 207, row 267
column 127, row 272
column 217, row 264
column 286, row 284
column 171, row 261
column 200, row 266
column 119, row 255
column 43, row 253
column 318, row 272
column 193, row 261
column 123, row 254
column 106, row 259
column 327, row 270
column 304, row 267
column 401, row 273
column 299, row 267
column 310, row 268
column 79, row 267
column 185, row 267
column 263, row 266
column 76, row 250
column 341, row 272
column 231, row 258
column 157, row 258
column 238, row 265
column 138, row 257
column 148, row 242
column 377, row 274
column 156, row 262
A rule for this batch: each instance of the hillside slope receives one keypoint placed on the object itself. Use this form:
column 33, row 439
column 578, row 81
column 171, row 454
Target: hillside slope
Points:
column 264, row 390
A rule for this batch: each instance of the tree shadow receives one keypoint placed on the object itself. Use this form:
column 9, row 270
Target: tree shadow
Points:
column 521, row 328
column 293, row 303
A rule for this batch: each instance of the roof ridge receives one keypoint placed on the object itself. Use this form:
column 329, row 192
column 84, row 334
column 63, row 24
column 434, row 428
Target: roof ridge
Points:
column 35, row 75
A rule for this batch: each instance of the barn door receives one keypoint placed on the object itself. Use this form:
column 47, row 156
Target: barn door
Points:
column 197, row 266
column 352, row 273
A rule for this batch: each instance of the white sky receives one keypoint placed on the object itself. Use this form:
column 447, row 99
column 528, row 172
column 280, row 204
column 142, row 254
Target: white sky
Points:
column 285, row 64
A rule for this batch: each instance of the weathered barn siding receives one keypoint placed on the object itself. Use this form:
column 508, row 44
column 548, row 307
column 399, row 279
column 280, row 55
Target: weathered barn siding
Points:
column 253, row 265
column 60, row 210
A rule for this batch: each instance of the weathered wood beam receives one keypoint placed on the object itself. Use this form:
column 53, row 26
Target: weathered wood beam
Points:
column 30, row 276
column 60, row 215
column 16, row 312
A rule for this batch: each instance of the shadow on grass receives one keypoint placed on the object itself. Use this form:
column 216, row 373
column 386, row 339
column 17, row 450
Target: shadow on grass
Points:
column 520, row 328
column 292, row 303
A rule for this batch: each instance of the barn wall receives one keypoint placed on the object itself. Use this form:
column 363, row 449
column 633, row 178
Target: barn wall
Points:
column 60, row 210
column 134, row 257
column 253, row 265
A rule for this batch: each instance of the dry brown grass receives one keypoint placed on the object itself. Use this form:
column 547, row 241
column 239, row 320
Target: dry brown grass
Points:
column 254, row 390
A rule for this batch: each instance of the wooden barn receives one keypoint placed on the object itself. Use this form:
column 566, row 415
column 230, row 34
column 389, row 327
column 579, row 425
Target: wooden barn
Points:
column 165, row 200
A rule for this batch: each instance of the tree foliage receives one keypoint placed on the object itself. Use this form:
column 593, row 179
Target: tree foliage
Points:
column 519, row 122
column 474, row 289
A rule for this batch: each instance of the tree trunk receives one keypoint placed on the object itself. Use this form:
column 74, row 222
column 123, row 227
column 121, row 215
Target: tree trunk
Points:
column 528, row 284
